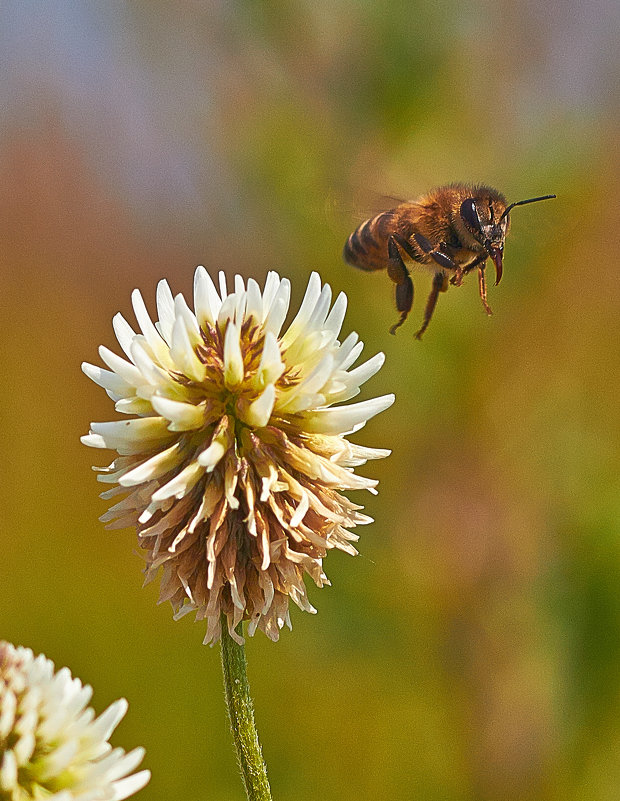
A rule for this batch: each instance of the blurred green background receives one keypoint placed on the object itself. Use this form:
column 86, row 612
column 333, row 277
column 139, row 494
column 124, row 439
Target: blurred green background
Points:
column 472, row 651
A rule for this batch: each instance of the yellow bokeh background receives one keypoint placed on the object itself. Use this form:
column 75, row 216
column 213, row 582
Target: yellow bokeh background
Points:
column 472, row 651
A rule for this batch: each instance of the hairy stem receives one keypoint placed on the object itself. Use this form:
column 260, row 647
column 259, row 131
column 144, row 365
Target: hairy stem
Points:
column 241, row 714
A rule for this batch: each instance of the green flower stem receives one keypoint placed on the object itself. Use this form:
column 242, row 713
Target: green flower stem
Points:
column 241, row 713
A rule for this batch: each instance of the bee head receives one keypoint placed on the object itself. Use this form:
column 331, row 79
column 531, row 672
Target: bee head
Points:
column 486, row 220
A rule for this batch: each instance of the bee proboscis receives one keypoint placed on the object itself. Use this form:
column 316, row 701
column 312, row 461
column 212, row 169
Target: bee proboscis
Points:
column 449, row 231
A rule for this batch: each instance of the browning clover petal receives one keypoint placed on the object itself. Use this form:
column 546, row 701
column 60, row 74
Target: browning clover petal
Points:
column 51, row 744
column 234, row 459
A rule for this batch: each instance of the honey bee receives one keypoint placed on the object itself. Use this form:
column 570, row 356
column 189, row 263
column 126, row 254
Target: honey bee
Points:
column 449, row 231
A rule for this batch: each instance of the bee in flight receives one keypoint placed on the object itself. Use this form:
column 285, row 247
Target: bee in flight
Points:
column 449, row 231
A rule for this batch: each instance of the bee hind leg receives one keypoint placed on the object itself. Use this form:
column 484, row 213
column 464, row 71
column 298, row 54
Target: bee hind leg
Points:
column 440, row 284
column 404, row 302
column 399, row 274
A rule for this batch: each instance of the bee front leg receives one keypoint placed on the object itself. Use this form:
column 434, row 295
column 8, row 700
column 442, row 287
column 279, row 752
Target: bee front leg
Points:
column 457, row 278
column 436, row 253
column 461, row 272
column 440, row 284
column 442, row 259
column 399, row 274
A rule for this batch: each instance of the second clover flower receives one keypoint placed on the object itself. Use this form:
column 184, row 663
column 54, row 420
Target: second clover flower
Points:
column 233, row 465
column 51, row 744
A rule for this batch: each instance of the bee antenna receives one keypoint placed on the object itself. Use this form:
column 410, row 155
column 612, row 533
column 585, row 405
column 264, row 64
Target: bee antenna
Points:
column 523, row 202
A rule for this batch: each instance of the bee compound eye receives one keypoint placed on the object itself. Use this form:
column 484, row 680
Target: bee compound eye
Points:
column 469, row 213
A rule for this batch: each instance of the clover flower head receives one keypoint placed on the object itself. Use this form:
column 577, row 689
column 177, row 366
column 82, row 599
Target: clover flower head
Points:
column 51, row 744
column 235, row 457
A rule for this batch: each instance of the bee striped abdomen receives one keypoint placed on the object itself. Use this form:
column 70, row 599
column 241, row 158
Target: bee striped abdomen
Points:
column 366, row 248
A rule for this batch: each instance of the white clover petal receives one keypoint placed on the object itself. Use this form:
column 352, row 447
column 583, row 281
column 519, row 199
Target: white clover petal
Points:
column 277, row 315
column 227, row 312
column 120, row 763
column 181, row 484
column 134, row 405
column 240, row 304
column 181, row 309
column 354, row 455
column 254, row 305
column 207, row 302
column 343, row 419
column 124, row 333
column 165, row 310
column 311, row 297
column 233, row 358
column 349, row 351
column 127, row 371
column 7, row 713
column 8, row 771
column 319, row 313
column 143, row 429
column 24, row 747
column 335, row 318
column 240, row 296
column 107, row 721
column 106, row 379
column 366, row 370
column 260, row 410
column 123, row 788
column 278, row 309
column 182, row 416
column 142, row 357
column 300, row 512
column 93, row 441
column 271, row 365
column 153, row 468
column 183, row 354
column 59, row 759
column 210, row 457
column 66, row 795
column 151, row 334
column 300, row 395
column 221, row 277
column 272, row 285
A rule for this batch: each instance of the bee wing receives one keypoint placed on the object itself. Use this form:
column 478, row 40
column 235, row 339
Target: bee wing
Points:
column 383, row 202
column 344, row 212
